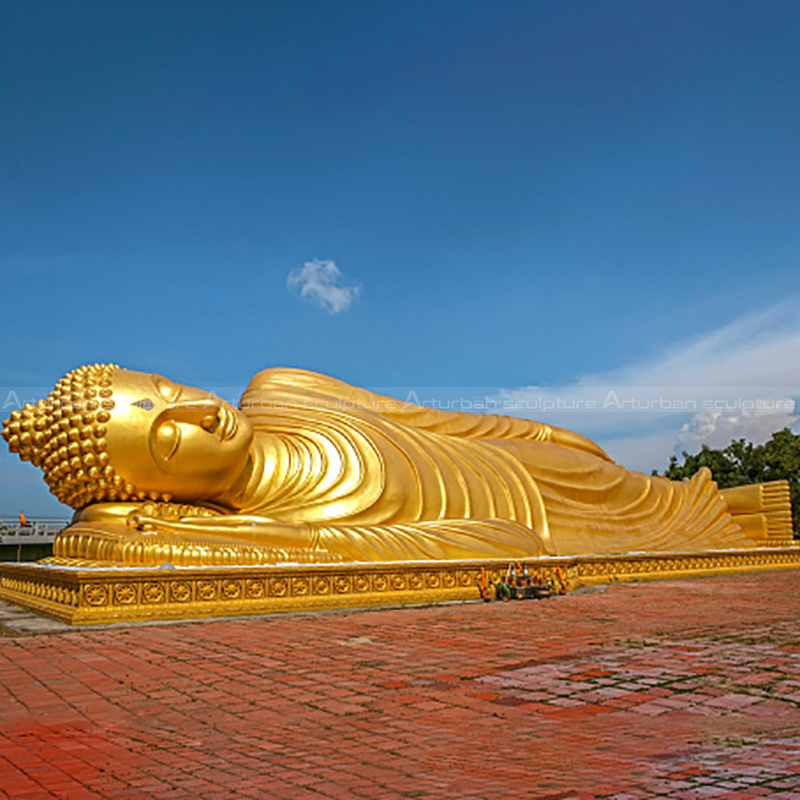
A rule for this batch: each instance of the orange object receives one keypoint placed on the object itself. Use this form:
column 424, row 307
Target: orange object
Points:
column 22, row 520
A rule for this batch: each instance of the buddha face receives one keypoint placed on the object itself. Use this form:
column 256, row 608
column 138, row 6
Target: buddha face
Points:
column 175, row 439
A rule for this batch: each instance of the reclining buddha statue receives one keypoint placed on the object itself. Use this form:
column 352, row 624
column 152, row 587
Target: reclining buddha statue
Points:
column 309, row 469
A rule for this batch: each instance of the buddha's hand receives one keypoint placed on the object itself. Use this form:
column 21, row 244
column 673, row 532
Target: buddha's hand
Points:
column 140, row 522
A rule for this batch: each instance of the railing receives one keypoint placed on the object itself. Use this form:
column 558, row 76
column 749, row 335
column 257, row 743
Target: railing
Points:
column 34, row 531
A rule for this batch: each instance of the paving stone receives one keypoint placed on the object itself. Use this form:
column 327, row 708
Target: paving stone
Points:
column 674, row 689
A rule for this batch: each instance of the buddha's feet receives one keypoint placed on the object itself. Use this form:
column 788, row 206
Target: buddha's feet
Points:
column 764, row 511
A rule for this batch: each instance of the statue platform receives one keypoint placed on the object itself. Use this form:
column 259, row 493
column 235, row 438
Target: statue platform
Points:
column 81, row 595
column 314, row 494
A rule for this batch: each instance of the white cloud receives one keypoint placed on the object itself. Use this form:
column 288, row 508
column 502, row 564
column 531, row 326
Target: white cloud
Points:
column 321, row 282
column 739, row 381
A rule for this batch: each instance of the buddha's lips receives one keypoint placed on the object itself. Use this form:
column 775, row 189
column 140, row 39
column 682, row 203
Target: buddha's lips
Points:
column 228, row 424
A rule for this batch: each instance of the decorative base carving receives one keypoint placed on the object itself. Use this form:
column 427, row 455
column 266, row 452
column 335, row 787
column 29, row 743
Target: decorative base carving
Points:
column 102, row 595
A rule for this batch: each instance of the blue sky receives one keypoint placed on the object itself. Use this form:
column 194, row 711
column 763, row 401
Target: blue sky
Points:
column 497, row 199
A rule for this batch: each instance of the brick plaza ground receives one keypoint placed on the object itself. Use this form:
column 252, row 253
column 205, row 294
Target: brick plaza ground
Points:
column 674, row 689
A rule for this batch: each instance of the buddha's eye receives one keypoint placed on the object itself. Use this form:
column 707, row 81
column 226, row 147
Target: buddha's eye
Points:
column 167, row 389
column 168, row 437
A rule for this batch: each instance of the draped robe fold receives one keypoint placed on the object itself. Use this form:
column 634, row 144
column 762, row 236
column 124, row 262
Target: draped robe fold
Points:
column 381, row 480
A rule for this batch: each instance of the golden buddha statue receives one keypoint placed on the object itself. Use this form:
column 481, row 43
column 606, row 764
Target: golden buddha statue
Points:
column 310, row 469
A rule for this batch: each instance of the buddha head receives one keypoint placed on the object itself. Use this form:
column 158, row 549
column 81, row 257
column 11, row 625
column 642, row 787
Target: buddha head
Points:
column 106, row 434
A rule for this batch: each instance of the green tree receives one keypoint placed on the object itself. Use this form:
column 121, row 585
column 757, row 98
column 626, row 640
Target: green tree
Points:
column 743, row 462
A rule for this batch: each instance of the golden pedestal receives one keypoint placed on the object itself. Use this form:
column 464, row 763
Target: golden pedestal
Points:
column 104, row 595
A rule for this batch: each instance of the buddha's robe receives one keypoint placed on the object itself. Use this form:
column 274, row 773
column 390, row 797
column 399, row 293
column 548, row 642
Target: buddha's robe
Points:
column 379, row 479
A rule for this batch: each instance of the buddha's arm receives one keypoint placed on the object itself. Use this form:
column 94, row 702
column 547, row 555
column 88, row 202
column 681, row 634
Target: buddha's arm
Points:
column 241, row 529
column 490, row 426
column 468, row 538
column 175, row 518
column 154, row 534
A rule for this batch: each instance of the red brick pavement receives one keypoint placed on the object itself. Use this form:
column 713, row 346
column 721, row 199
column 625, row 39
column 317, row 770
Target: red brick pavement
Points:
column 682, row 689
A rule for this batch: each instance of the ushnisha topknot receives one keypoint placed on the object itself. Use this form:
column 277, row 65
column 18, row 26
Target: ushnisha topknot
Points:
column 65, row 435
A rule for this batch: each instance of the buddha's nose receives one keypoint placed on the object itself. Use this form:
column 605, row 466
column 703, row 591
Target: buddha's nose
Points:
column 209, row 422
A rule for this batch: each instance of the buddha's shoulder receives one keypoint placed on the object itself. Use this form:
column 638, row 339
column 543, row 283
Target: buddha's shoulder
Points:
column 292, row 377
column 286, row 385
